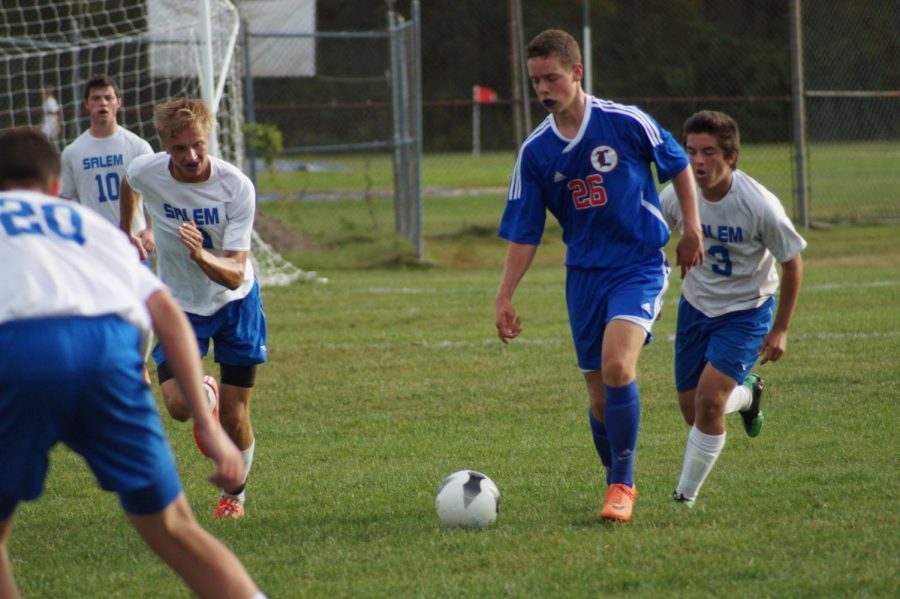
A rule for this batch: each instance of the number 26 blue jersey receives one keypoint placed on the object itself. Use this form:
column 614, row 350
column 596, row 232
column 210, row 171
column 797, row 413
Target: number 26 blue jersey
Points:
column 599, row 186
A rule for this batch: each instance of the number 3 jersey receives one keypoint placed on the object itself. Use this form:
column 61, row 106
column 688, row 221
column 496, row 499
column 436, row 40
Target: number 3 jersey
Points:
column 744, row 233
column 93, row 169
column 59, row 259
column 222, row 207
column 599, row 186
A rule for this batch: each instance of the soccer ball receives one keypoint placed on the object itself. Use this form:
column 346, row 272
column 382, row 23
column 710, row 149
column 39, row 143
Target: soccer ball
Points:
column 467, row 499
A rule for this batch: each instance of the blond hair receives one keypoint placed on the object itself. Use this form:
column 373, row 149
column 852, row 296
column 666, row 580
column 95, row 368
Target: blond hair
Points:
column 172, row 117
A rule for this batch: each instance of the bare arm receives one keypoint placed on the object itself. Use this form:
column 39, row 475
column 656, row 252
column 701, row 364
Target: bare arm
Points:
column 518, row 259
column 226, row 270
column 180, row 345
column 689, row 251
column 127, row 203
column 775, row 343
column 146, row 236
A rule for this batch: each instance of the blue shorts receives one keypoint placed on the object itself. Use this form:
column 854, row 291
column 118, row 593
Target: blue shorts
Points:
column 238, row 331
column 596, row 296
column 730, row 342
column 80, row 381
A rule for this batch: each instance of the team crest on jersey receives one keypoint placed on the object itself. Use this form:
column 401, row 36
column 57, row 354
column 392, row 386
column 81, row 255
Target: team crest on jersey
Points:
column 604, row 158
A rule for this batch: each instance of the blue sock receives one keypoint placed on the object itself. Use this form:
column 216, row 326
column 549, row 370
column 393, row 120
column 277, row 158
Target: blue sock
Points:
column 622, row 417
column 601, row 443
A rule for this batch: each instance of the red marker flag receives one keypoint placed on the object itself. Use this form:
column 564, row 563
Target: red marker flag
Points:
column 484, row 95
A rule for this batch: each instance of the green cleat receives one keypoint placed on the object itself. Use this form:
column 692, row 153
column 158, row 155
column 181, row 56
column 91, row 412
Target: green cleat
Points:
column 678, row 500
column 753, row 416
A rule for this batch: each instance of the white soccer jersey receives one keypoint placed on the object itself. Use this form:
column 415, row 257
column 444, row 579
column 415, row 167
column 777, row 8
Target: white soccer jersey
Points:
column 93, row 169
column 222, row 207
column 744, row 233
column 61, row 259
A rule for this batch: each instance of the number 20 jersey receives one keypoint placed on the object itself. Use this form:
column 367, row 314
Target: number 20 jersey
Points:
column 599, row 186
column 60, row 259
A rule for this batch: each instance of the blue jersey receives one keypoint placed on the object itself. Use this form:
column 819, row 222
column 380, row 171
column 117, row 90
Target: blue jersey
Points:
column 599, row 186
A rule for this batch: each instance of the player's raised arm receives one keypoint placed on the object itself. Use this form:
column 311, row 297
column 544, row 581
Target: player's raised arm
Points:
column 127, row 204
column 689, row 251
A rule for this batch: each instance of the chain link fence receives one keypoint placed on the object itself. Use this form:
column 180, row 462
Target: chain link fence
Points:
column 671, row 58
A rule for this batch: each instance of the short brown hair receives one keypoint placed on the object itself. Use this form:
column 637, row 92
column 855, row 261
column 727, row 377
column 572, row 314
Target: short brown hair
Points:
column 27, row 159
column 172, row 117
column 100, row 80
column 554, row 42
column 718, row 124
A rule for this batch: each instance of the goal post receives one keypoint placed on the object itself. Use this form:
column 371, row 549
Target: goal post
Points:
column 154, row 49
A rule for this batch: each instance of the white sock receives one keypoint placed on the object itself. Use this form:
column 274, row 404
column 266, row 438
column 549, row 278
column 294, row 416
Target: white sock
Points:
column 210, row 396
column 740, row 399
column 700, row 456
column 247, row 455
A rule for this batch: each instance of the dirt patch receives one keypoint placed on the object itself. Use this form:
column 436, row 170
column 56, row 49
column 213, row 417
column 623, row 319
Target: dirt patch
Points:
column 280, row 236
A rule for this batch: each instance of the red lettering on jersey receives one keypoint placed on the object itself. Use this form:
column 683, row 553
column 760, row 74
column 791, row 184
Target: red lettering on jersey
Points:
column 587, row 193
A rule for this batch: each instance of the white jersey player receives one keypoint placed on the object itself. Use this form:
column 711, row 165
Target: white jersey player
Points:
column 93, row 165
column 51, row 121
column 70, row 323
column 224, row 225
column 203, row 209
column 725, row 316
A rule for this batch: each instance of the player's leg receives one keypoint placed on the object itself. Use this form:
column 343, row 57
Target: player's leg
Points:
column 706, row 438
column 208, row 567
column 171, row 392
column 240, row 346
column 234, row 413
column 622, row 343
column 730, row 350
column 596, row 418
column 586, row 310
column 7, row 582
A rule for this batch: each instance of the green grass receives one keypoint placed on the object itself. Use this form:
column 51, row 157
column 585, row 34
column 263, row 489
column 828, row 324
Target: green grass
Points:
column 385, row 380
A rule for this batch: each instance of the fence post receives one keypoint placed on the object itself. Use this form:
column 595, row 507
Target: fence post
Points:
column 798, row 97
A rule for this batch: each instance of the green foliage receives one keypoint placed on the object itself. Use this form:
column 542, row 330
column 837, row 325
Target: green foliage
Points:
column 266, row 141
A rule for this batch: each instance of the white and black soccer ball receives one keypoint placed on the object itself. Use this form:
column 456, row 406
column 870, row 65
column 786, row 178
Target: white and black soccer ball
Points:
column 467, row 499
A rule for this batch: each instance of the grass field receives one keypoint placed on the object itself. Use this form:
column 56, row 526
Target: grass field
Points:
column 390, row 377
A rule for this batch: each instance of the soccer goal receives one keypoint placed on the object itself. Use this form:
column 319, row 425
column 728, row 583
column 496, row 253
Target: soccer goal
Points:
column 154, row 49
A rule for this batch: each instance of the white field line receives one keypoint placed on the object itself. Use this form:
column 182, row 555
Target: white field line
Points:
column 448, row 344
column 429, row 290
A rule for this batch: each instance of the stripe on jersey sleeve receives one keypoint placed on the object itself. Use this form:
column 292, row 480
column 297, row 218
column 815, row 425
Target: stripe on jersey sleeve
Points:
column 650, row 128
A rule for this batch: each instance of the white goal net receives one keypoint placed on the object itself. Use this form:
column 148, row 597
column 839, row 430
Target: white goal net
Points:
column 154, row 49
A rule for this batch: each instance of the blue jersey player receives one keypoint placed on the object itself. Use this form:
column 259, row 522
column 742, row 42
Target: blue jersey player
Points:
column 74, row 304
column 589, row 164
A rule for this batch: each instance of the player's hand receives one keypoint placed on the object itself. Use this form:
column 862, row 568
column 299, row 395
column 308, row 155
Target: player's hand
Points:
column 773, row 347
column 191, row 238
column 689, row 251
column 136, row 242
column 148, row 240
column 221, row 450
column 509, row 325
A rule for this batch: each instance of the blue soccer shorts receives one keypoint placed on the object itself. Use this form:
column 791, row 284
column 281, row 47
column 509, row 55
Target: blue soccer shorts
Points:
column 596, row 296
column 238, row 332
column 729, row 342
column 80, row 381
